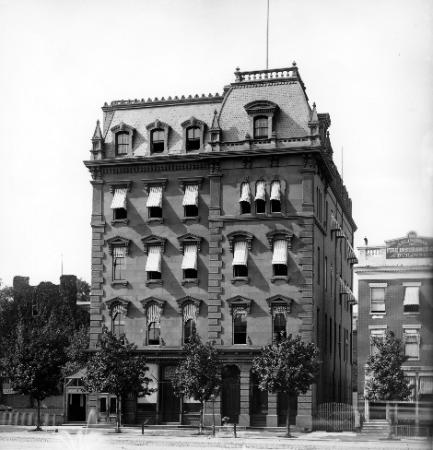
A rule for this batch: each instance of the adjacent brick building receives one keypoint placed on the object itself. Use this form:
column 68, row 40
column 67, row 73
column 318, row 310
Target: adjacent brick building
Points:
column 226, row 215
column 396, row 294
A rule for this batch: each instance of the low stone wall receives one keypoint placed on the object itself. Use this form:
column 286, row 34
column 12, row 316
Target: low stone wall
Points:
column 28, row 417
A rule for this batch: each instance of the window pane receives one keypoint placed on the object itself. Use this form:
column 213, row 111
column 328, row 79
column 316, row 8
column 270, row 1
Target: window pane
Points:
column 154, row 334
column 193, row 133
column 122, row 143
column 158, row 135
column 189, row 329
column 261, row 127
column 240, row 329
column 118, row 267
column 279, row 327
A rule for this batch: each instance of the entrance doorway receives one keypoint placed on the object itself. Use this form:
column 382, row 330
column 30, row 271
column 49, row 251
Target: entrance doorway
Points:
column 230, row 395
column 169, row 403
column 258, row 403
column 76, row 407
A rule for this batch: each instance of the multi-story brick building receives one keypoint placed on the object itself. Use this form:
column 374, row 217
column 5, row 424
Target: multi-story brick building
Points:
column 395, row 293
column 226, row 215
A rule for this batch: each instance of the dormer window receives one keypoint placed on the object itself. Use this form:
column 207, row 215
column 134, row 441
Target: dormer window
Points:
column 261, row 127
column 122, row 138
column 193, row 138
column 193, row 134
column 122, row 143
column 262, row 118
column 158, row 141
column 157, row 134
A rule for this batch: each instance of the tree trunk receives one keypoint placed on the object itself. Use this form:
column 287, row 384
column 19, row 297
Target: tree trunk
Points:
column 38, row 416
column 288, row 418
column 118, row 414
column 200, row 428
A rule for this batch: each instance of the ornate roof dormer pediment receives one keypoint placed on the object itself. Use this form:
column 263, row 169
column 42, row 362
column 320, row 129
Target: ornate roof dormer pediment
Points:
column 193, row 122
column 261, row 107
column 122, row 126
column 157, row 124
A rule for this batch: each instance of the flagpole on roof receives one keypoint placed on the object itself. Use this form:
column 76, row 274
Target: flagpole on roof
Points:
column 267, row 36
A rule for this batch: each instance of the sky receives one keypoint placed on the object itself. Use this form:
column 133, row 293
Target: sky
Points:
column 368, row 63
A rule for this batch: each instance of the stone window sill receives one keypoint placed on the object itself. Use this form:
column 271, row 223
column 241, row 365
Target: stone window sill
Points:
column 151, row 282
column 192, row 219
column 240, row 280
column 276, row 278
column 119, row 283
column 119, row 222
column 155, row 220
column 192, row 281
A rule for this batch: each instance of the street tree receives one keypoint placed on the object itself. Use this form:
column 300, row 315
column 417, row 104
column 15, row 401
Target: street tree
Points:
column 77, row 354
column 34, row 363
column 116, row 368
column 287, row 367
column 198, row 376
column 385, row 377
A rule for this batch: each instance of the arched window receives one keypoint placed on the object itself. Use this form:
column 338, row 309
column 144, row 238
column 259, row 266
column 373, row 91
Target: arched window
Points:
column 122, row 143
column 153, row 333
column 279, row 327
column 158, row 137
column 260, row 127
column 193, row 135
column 189, row 329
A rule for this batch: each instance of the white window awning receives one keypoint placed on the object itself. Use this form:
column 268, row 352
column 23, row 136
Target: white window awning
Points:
column 153, row 263
column 245, row 193
column 155, row 197
column 280, row 252
column 260, row 191
column 119, row 252
column 189, row 260
column 119, row 198
column 276, row 190
column 240, row 253
column 411, row 295
column 190, row 197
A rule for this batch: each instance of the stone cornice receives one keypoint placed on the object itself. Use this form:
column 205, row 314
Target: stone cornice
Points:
column 391, row 269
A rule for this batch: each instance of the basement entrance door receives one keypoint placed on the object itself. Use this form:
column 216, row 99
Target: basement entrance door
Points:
column 230, row 396
column 169, row 403
column 76, row 407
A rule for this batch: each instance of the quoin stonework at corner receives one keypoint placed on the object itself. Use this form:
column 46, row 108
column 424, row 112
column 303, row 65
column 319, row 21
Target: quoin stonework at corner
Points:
column 225, row 215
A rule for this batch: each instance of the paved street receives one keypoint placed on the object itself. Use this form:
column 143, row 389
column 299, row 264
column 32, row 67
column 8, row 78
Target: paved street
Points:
column 74, row 438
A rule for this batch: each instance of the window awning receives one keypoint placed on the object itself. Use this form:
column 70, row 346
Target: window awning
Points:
column 260, row 191
column 155, row 197
column 240, row 253
column 280, row 252
column 411, row 296
column 153, row 263
column 245, row 193
column 276, row 190
column 190, row 197
column 189, row 260
column 119, row 198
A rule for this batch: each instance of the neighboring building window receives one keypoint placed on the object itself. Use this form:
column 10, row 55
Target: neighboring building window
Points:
column 279, row 257
column 153, row 264
column 122, row 143
column 189, row 261
column 280, row 323
column 325, row 275
column 154, row 202
column 119, row 254
column 240, row 259
column 158, row 140
column 240, row 327
column 260, row 198
column 190, row 200
column 376, row 334
column 411, row 343
column 261, row 127
column 118, row 204
column 245, row 198
column 154, row 333
column 275, row 197
column 411, row 297
column 318, row 265
column 377, row 298
column 193, row 137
